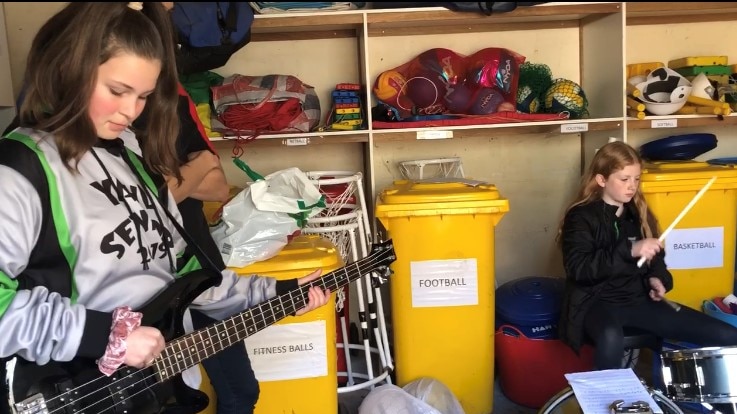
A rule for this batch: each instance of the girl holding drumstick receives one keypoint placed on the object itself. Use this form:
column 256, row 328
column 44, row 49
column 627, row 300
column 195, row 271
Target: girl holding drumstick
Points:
column 605, row 232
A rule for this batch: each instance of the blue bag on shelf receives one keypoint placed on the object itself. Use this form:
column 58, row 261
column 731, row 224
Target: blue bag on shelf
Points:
column 268, row 7
column 209, row 33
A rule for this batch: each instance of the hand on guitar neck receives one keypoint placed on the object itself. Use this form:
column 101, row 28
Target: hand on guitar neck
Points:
column 317, row 297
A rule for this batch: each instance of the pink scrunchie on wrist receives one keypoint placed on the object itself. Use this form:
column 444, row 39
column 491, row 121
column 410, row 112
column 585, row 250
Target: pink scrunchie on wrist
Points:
column 124, row 322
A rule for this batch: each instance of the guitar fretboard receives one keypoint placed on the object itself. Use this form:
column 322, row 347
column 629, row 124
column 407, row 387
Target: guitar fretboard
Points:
column 191, row 349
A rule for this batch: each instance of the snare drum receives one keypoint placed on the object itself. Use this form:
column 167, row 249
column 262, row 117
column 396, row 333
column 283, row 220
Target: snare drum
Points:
column 565, row 403
column 701, row 375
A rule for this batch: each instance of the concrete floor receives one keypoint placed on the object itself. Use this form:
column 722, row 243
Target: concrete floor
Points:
column 349, row 403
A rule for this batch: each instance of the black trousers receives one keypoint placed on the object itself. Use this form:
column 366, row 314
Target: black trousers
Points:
column 230, row 373
column 604, row 323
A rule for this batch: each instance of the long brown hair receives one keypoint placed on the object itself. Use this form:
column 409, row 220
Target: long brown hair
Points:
column 611, row 158
column 62, row 69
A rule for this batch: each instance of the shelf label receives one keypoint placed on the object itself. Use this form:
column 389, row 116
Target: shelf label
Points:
column 291, row 142
column 574, row 128
column 664, row 123
column 434, row 134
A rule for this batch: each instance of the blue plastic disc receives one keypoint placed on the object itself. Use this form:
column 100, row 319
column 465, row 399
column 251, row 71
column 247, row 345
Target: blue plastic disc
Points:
column 723, row 161
column 678, row 147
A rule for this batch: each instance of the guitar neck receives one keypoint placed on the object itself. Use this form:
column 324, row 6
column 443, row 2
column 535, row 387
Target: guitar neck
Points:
column 189, row 350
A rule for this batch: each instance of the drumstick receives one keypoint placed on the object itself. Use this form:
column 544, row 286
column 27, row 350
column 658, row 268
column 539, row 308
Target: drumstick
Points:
column 681, row 215
column 676, row 306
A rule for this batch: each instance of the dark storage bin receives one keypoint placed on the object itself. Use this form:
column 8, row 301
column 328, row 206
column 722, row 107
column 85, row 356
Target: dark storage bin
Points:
column 531, row 304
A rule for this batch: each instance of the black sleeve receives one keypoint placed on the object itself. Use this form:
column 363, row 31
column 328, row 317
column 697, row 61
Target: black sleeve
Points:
column 658, row 269
column 587, row 262
column 190, row 139
column 96, row 334
column 284, row 286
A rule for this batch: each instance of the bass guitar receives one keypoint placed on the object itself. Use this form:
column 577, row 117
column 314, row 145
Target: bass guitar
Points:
column 78, row 386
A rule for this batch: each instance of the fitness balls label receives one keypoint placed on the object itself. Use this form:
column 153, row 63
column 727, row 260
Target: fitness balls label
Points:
column 289, row 351
column 699, row 248
column 440, row 283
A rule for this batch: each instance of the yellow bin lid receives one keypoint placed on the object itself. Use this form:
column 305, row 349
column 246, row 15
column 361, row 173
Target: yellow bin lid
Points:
column 305, row 252
column 420, row 198
column 665, row 176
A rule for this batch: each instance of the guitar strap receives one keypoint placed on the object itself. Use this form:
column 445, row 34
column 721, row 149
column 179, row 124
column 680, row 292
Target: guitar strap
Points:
column 144, row 178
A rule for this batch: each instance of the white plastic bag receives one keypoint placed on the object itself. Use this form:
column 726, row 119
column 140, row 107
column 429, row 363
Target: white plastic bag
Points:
column 288, row 191
column 257, row 223
column 389, row 398
column 435, row 394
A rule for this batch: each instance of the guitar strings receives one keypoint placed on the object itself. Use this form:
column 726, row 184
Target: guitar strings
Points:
column 292, row 309
column 131, row 396
column 370, row 261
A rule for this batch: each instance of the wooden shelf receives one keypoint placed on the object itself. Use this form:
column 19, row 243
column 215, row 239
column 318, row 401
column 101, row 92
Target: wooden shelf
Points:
column 422, row 20
column 411, row 134
column 643, row 13
column 683, row 121
column 298, row 139
column 438, row 20
column 471, row 131
column 303, row 26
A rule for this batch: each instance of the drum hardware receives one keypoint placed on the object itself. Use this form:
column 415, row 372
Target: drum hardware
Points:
column 618, row 407
column 701, row 375
column 565, row 403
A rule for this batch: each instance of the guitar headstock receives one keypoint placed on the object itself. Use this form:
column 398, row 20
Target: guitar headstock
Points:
column 381, row 256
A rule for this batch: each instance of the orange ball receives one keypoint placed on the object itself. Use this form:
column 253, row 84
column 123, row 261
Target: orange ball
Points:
column 390, row 89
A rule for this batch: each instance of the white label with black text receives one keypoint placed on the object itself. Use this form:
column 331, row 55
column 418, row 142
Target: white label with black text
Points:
column 291, row 142
column 699, row 248
column 439, row 283
column 664, row 123
column 573, row 128
column 434, row 134
column 289, row 351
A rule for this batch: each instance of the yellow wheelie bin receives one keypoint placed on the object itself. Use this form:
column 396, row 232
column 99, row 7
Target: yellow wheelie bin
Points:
column 700, row 250
column 442, row 290
column 295, row 359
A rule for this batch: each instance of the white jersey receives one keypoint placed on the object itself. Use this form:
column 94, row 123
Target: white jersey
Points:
column 123, row 251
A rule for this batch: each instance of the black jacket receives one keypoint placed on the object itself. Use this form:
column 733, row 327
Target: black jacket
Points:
column 596, row 254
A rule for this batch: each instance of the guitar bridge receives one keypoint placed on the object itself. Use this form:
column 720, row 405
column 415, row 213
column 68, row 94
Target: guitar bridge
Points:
column 35, row 404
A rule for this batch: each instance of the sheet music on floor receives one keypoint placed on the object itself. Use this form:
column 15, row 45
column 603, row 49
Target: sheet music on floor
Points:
column 596, row 390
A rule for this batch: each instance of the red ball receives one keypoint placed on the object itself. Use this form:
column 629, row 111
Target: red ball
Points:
column 449, row 64
column 425, row 89
column 485, row 101
column 458, row 98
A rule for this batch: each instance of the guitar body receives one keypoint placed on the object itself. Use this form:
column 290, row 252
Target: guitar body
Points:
column 129, row 390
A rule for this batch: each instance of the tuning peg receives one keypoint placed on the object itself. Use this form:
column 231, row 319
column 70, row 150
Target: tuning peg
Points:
column 380, row 277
